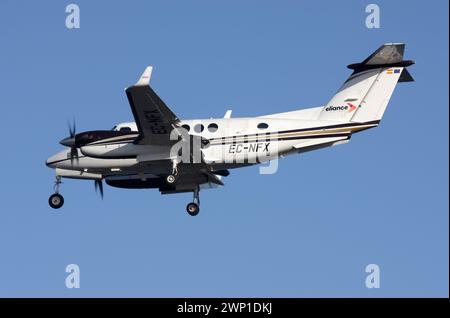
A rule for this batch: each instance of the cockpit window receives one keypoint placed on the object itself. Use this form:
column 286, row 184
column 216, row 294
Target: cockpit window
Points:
column 126, row 129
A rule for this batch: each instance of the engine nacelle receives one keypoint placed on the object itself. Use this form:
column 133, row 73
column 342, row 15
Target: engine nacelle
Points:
column 126, row 150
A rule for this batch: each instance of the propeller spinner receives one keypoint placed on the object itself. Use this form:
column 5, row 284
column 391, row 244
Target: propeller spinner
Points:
column 71, row 142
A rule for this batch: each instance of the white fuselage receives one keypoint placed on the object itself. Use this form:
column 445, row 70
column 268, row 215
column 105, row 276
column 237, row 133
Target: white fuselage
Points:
column 231, row 140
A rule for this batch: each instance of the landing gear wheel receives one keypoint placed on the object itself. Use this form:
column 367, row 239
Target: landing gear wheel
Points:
column 171, row 179
column 193, row 209
column 56, row 201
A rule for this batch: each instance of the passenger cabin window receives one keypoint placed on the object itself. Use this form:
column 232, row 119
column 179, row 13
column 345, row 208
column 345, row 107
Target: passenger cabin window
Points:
column 199, row 128
column 213, row 127
column 263, row 126
column 187, row 127
column 125, row 129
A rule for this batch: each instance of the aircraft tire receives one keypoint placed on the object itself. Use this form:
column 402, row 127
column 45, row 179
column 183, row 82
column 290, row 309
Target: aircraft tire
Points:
column 192, row 209
column 171, row 179
column 56, row 201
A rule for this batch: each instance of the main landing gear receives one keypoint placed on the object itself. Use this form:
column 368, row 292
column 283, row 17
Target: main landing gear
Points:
column 171, row 179
column 194, row 207
column 56, row 200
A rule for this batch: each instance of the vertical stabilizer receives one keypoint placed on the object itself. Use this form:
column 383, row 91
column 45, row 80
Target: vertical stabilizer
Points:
column 365, row 94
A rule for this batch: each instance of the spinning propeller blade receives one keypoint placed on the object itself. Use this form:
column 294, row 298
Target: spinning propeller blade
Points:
column 99, row 187
column 72, row 128
column 71, row 141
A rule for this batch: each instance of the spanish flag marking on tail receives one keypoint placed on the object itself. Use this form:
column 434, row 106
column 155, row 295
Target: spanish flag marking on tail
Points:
column 393, row 71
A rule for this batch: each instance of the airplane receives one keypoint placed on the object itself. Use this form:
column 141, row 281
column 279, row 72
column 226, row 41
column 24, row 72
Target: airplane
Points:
column 159, row 150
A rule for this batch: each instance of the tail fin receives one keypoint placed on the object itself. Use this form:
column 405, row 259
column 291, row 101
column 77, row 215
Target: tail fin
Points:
column 365, row 94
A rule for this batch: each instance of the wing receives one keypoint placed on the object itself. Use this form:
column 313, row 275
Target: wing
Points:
column 153, row 118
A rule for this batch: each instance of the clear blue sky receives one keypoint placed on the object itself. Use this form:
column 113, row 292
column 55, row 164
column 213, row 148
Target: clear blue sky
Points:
column 308, row 230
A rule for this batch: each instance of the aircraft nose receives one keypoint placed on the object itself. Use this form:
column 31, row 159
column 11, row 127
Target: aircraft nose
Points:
column 53, row 161
column 50, row 163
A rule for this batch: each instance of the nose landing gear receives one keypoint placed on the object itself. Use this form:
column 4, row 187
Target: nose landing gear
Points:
column 194, row 207
column 56, row 200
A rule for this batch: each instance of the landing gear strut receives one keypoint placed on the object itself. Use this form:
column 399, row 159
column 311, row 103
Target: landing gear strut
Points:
column 172, row 178
column 194, row 207
column 56, row 200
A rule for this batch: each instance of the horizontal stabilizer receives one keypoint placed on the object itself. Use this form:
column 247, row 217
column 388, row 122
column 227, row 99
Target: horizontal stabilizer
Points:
column 405, row 76
column 387, row 55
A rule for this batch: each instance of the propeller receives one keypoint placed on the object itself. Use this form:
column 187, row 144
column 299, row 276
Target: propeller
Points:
column 71, row 141
column 99, row 187
column 72, row 128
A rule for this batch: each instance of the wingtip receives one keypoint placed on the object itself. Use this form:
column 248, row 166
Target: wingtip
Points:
column 145, row 77
column 394, row 43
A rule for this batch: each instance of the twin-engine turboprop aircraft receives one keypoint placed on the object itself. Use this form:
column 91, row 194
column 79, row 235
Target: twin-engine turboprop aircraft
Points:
column 160, row 150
